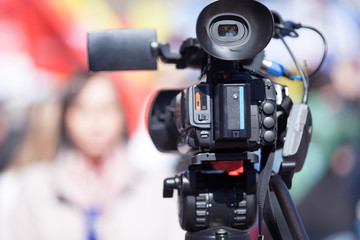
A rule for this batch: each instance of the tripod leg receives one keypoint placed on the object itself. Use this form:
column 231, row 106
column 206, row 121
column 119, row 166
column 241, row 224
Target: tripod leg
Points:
column 288, row 208
column 270, row 219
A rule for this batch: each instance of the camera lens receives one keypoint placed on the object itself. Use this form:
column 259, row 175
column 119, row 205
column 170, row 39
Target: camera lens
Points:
column 228, row 30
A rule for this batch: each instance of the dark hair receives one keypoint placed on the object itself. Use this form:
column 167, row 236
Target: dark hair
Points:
column 72, row 91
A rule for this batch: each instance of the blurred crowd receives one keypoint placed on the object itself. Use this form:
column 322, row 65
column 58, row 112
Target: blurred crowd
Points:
column 76, row 161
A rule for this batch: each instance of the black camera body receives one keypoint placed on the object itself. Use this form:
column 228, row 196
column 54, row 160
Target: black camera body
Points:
column 222, row 119
column 234, row 111
column 220, row 122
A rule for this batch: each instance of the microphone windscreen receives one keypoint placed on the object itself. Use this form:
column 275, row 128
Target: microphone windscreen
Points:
column 121, row 49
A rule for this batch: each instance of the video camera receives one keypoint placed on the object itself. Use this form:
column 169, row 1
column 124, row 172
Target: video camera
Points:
column 221, row 122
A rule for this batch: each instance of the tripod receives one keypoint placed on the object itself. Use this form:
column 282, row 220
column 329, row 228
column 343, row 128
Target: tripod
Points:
column 287, row 207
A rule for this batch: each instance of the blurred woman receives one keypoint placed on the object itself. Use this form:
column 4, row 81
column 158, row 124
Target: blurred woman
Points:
column 90, row 191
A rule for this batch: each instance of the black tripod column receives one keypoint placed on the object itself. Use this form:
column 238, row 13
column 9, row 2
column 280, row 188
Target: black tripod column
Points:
column 218, row 233
column 288, row 208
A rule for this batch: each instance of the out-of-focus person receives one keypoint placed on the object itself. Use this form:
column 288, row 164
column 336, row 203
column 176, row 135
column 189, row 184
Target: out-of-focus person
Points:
column 90, row 191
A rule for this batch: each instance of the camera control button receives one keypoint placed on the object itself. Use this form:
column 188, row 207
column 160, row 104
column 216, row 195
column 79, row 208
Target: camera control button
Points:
column 204, row 134
column 269, row 136
column 269, row 122
column 269, row 108
column 203, row 117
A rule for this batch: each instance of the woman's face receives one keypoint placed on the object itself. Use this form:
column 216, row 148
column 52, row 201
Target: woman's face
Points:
column 95, row 119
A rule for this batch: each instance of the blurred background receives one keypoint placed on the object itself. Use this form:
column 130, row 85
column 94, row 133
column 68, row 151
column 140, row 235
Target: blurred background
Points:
column 43, row 45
